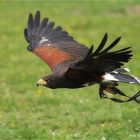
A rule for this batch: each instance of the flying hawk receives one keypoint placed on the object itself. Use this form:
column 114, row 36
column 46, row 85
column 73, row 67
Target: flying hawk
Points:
column 73, row 64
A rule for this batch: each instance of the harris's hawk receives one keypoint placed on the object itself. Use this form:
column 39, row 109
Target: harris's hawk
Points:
column 73, row 64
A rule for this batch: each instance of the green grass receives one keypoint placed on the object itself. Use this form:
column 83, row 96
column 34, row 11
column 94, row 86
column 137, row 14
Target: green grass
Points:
column 27, row 112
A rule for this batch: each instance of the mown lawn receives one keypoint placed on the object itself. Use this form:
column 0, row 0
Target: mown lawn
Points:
column 27, row 112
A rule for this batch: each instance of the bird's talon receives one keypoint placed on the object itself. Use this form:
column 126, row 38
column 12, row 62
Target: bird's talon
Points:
column 102, row 95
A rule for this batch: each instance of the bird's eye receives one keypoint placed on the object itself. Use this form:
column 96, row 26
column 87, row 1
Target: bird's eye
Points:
column 48, row 80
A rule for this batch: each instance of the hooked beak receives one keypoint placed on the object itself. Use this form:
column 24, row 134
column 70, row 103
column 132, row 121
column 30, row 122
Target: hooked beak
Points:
column 41, row 82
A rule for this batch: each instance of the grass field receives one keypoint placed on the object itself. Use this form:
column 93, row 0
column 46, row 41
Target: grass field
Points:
column 28, row 112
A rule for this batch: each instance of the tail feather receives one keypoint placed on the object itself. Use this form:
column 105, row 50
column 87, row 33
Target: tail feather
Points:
column 121, row 77
column 122, row 70
column 126, row 78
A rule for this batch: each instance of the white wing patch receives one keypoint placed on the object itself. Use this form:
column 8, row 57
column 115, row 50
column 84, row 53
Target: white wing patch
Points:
column 43, row 40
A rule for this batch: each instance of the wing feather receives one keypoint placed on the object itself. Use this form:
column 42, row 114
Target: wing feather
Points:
column 102, row 44
column 101, row 61
column 42, row 35
column 30, row 24
column 114, row 43
column 37, row 20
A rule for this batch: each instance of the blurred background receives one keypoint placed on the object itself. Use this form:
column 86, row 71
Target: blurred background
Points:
column 28, row 112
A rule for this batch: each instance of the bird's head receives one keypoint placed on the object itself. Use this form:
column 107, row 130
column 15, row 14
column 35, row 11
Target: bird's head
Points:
column 41, row 82
column 47, row 81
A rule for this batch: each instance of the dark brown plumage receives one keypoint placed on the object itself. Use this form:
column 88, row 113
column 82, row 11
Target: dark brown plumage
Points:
column 74, row 65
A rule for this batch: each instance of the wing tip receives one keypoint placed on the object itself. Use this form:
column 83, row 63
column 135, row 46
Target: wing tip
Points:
column 26, row 35
column 38, row 12
column 106, row 35
column 36, row 20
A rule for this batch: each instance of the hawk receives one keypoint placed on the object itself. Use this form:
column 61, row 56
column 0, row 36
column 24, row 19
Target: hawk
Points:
column 73, row 64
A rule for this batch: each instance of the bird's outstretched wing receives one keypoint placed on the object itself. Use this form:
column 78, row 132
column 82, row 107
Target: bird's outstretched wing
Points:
column 53, row 45
column 101, row 60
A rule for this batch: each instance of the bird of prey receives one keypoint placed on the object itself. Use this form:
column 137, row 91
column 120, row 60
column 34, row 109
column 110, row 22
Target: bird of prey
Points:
column 73, row 64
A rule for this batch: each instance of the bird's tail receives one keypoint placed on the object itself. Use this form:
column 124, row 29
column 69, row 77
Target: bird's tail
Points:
column 121, row 77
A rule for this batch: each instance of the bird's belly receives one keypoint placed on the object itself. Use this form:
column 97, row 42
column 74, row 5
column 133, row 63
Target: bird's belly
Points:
column 73, row 85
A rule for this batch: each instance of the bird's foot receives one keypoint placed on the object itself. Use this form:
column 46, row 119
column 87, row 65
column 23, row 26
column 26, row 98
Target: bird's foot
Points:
column 113, row 90
column 102, row 95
